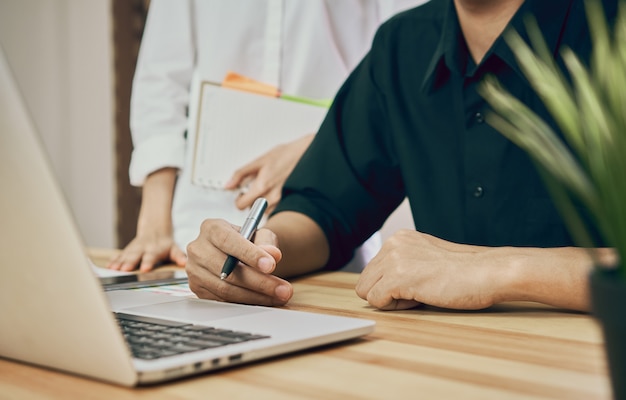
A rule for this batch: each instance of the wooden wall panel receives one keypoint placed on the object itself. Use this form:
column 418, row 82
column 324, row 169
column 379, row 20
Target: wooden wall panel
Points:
column 128, row 21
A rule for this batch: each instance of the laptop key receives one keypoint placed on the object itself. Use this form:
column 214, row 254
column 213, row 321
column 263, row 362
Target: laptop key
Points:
column 205, row 344
column 183, row 347
column 151, row 338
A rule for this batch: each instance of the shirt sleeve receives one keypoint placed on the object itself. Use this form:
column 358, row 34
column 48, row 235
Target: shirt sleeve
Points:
column 160, row 91
column 349, row 181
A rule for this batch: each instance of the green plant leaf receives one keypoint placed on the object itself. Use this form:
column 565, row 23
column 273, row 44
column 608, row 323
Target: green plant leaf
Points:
column 590, row 110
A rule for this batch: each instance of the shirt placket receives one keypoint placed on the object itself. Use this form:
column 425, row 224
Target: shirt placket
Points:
column 482, row 157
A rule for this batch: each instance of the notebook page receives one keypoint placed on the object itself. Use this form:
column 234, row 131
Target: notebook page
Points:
column 235, row 127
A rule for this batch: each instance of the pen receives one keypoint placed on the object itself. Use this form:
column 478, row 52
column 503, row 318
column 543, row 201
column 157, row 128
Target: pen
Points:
column 248, row 228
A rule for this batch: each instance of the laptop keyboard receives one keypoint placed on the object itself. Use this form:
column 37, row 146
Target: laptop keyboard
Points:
column 151, row 338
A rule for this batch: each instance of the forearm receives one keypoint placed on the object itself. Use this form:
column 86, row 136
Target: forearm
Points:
column 301, row 241
column 156, row 201
column 554, row 276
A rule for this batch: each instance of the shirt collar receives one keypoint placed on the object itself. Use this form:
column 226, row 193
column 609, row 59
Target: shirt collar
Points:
column 451, row 53
column 445, row 56
column 550, row 16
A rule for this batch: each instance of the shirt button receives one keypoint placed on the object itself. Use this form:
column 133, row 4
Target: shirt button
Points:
column 479, row 117
column 478, row 191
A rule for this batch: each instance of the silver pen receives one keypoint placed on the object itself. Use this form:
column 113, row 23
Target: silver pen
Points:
column 247, row 230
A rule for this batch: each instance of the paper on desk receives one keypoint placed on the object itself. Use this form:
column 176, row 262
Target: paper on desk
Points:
column 177, row 289
column 104, row 272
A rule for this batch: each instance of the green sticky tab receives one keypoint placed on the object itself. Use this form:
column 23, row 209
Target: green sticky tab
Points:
column 316, row 102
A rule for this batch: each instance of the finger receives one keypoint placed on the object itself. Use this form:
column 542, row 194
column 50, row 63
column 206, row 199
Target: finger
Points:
column 372, row 287
column 245, row 281
column 273, row 197
column 129, row 266
column 267, row 241
column 274, row 251
column 365, row 283
column 148, row 261
column 224, row 291
column 218, row 239
column 206, row 255
column 115, row 262
column 130, row 260
column 244, row 285
column 255, row 190
column 178, row 256
column 263, row 253
column 399, row 305
column 370, row 275
column 387, row 298
column 248, row 171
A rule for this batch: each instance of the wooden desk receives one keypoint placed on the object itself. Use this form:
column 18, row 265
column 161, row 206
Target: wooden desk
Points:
column 512, row 351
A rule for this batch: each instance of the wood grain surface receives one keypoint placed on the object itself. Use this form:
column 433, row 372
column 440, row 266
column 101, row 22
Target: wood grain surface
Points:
column 510, row 351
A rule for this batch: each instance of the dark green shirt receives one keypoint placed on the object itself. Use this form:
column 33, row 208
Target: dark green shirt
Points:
column 409, row 122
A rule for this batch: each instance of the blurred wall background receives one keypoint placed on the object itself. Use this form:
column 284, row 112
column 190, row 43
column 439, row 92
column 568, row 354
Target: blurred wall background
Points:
column 61, row 54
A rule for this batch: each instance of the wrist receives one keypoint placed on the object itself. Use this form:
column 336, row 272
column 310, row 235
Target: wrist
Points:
column 155, row 214
column 513, row 280
column 154, row 219
column 552, row 276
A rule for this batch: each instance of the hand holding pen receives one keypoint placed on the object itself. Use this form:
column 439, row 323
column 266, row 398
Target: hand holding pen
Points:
column 255, row 283
column 247, row 230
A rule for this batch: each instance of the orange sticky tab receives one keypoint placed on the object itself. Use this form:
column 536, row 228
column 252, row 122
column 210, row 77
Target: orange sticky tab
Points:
column 236, row 81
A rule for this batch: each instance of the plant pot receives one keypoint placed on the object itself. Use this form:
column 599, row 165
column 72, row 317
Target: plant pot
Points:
column 608, row 304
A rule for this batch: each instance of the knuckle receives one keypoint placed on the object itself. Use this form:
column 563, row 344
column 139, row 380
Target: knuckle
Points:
column 265, row 286
column 273, row 198
column 371, row 299
column 194, row 285
column 199, row 286
column 266, row 236
column 264, row 186
column 223, row 290
column 212, row 230
column 360, row 292
column 212, row 226
column 207, row 227
column 192, row 249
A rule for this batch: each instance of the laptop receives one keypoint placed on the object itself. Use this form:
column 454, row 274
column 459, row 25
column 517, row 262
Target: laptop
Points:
column 55, row 313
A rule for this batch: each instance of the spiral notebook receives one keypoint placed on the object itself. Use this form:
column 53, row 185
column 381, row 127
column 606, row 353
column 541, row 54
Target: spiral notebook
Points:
column 235, row 127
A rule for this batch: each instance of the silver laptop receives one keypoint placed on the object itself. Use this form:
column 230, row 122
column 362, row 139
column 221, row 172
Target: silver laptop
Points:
column 54, row 312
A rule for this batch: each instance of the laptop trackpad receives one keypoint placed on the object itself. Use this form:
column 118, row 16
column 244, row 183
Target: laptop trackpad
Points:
column 194, row 310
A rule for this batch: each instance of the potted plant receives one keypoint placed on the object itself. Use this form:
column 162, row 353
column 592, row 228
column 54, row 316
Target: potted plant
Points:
column 586, row 166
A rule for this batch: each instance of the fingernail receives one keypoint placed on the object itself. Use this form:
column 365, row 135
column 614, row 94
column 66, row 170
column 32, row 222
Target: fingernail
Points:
column 283, row 292
column 266, row 264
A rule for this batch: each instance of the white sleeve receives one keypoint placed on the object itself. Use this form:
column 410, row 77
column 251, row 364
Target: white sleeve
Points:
column 160, row 91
